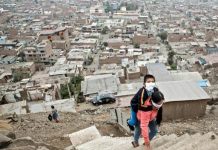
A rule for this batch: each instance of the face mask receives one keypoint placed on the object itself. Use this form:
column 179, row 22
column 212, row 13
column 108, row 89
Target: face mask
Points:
column 156, row 105
column 150, row 86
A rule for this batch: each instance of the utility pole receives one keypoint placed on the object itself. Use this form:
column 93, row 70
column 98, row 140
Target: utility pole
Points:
column 74, row 91
column 68, row 89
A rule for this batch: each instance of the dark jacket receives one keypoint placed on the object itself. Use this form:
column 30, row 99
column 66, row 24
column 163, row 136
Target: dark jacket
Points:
column 135, row 104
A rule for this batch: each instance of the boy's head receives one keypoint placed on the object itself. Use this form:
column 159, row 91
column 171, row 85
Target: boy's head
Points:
column 148, row 78
column 157, row 99
column 52, row 107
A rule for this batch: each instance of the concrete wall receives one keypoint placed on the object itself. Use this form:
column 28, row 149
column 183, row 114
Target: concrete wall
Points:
column 184, row 110
column 18, row 108
column 120, row 117
column 133, row 75
column 122, row 79
column 30, row 70
column 143, row 70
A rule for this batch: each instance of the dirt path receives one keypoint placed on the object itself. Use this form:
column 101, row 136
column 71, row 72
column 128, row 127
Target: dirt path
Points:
column 41, row 130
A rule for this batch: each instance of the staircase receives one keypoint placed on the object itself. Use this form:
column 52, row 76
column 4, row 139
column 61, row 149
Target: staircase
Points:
column 90, row 139
column 197, row 141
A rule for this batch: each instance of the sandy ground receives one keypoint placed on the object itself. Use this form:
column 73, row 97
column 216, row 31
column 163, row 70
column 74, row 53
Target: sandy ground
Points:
column 40, row 129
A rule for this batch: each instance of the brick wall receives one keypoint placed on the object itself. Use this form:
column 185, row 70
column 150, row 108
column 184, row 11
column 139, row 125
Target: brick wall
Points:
column 115, row 45
column 8, row 52
column 112, row 60
column 133, row 75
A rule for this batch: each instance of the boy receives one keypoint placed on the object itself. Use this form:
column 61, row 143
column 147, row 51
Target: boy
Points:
column 149, row 87
column 148, row 118
column 54, row 114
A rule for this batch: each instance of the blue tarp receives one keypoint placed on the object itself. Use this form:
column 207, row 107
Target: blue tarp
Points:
column 203, row 83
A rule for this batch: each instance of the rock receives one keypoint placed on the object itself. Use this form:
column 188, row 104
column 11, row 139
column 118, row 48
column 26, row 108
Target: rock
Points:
column 70, row 148
column 213, row 137
column 28, row 147
column 4, row 141
column 22, row 142
column 66, row 135
column 28, row 141
column 42, row 148
column 8, row 134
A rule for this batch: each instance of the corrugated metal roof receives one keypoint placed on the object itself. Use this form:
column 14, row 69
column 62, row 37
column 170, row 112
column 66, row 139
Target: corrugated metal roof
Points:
column 186, row 76
column 97, row 83
column 182, row 91
column 159, row 71
column 129, row 89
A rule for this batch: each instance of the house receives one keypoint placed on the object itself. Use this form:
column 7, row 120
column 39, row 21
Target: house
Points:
column 39, row 53
column 183, row 99
column 97, row 83
column 60, row 44
column 113, row 59
column 144, row 39
column 115, row 43
column 112, row 69
column 26, row 69
column 133, row 73
column 78, row 42
column 4, row 59
column 97, row 10
column 60, row 33
column 177, row 105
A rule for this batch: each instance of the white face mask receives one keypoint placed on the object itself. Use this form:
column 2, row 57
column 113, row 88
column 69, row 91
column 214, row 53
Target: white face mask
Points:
column 150, row 86
column 156, row 105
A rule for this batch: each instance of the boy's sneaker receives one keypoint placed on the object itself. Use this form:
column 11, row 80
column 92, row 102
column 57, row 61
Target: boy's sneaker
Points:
column 135, row 144
column 130, row 126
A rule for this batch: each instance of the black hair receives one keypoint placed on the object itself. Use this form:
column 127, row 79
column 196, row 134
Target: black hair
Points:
column 52, row 106
column 157, row 96
column 148, row 76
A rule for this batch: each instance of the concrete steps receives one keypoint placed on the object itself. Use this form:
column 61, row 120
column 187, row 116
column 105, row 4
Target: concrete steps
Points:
column 172, row 141
column 197, row 141
column 204, row 140
column 162, row 140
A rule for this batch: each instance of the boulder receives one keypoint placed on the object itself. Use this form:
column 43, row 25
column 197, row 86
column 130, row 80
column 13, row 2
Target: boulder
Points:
column 8, row 134
column 4, row 141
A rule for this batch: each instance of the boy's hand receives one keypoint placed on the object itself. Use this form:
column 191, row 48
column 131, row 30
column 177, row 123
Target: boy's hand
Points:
column 155, row 89
column 147, row 146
